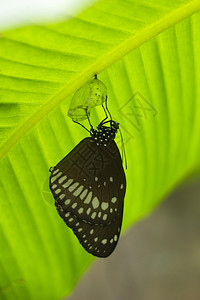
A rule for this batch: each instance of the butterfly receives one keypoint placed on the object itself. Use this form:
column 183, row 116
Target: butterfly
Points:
column 89, row 186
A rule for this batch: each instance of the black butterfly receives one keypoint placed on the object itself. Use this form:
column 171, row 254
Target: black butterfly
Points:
column 89, row 186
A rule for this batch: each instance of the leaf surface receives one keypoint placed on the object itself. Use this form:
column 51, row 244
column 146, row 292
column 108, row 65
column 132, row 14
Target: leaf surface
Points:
column 148, row 55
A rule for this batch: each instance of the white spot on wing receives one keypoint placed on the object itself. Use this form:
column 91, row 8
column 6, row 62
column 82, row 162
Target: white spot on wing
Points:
column 114, row 199
column 66, row 184
column 95, row 202
column 55, row 171
column 104, row 241
column 67, row 201
column 121, row 186
column 57, row 191
column 62, row 179
column 73, row 186
column 55, row 177
column 74, row 205
column 111, row 179
column 88, row 198
column 84, row 193
column 62, row 196
column 88, row 211
column 104, row 205
column 80, row 211
column 93, row 215
column 105, row 217
column 78, row 191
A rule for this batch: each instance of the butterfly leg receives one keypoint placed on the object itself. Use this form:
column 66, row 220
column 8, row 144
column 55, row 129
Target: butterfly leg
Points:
column 107, row 108
column 81, row 125
column 88, row 119
column 105, row 114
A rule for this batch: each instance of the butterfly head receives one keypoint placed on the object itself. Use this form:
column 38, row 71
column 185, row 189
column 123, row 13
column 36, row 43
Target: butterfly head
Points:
column 103, row 135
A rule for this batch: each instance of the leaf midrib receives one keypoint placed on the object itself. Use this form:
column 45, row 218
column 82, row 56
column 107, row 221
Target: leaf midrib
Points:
column 100, row 64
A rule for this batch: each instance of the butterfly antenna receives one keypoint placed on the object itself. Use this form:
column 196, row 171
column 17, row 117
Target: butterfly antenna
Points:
column 123, row 149
column 81, row 125
column 107, row 108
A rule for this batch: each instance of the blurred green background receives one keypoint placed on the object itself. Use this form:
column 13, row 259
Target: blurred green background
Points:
column 157, row 259
column 147, row 53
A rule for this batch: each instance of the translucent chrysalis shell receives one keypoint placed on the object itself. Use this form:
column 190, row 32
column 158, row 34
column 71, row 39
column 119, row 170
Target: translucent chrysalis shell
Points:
column 89, row 95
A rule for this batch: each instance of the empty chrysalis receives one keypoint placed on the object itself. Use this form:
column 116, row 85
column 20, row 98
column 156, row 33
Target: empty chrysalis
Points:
column 92, row 94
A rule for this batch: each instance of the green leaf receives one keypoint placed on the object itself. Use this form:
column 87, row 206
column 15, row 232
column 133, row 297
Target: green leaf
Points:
column 148, row 56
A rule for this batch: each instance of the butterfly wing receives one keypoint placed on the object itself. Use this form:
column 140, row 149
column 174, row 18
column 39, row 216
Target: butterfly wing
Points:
column 89, row 187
